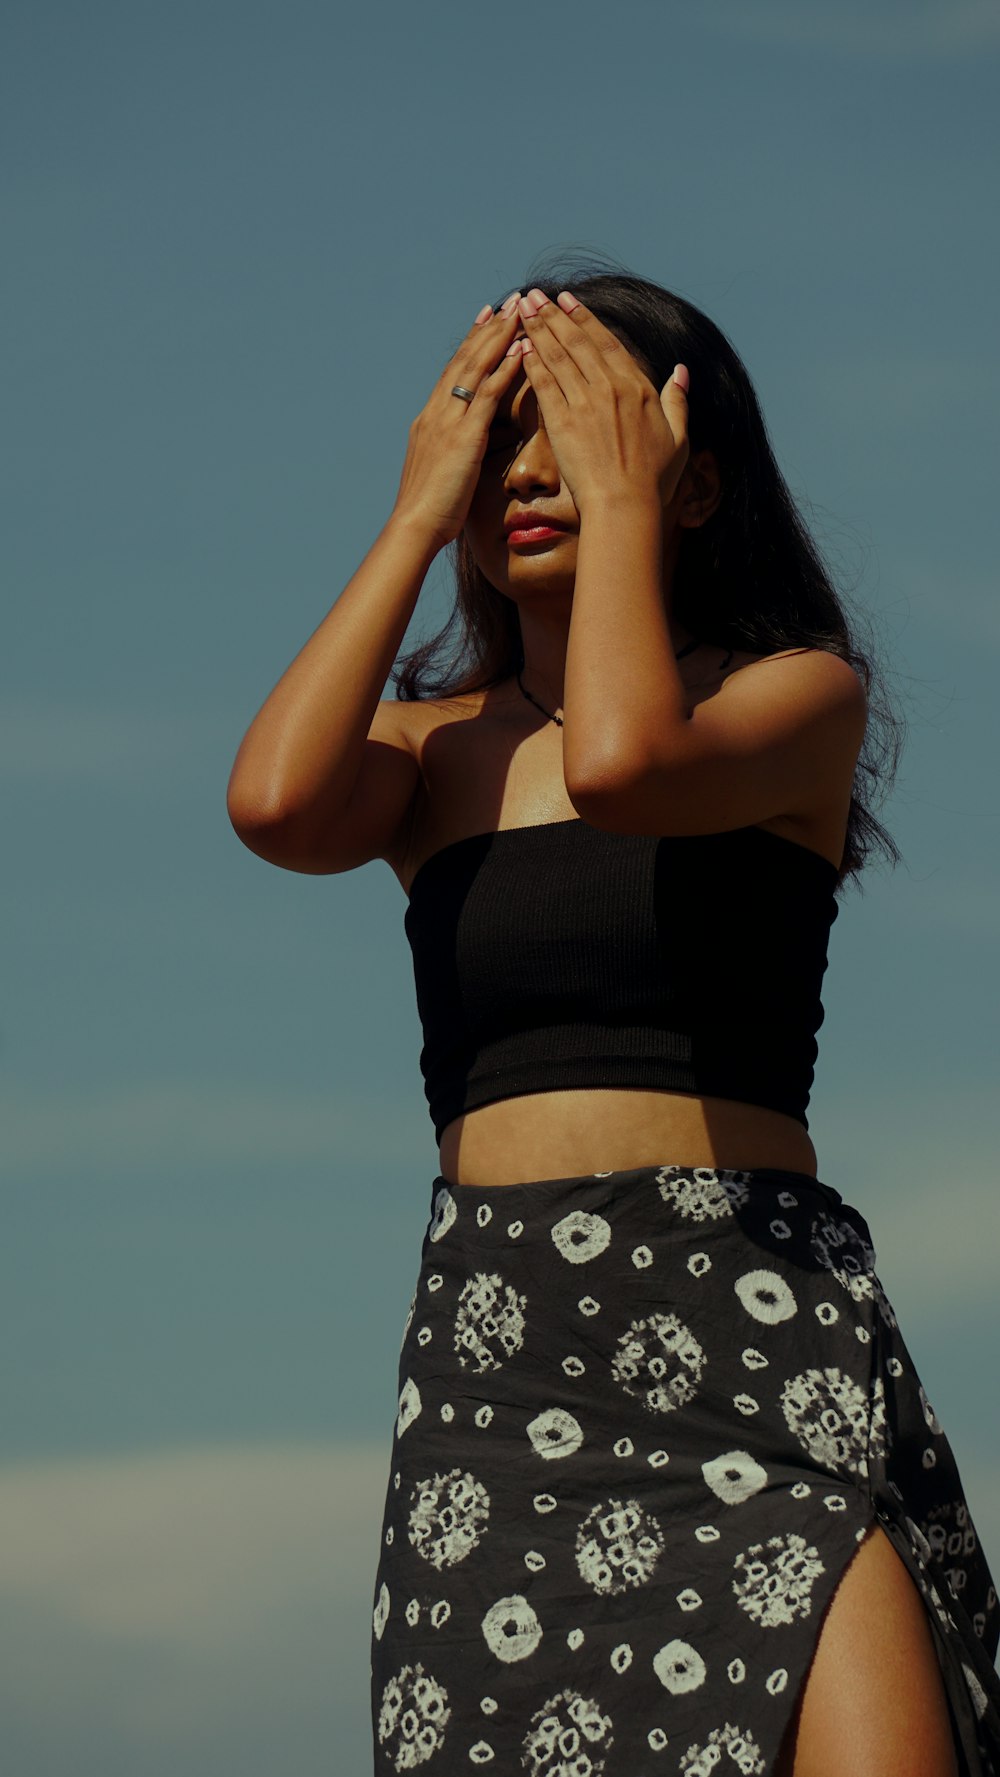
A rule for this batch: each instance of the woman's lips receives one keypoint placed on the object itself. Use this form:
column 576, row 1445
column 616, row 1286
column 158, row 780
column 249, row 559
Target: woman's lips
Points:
column 536, row 533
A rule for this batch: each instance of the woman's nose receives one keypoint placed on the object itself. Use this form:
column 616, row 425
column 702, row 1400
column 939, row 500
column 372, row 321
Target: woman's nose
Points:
column 535, row 465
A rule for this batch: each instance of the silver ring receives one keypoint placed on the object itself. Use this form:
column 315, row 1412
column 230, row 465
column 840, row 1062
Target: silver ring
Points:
column 464, row 394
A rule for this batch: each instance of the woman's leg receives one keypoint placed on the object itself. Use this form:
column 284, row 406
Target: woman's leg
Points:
column 873, row 1703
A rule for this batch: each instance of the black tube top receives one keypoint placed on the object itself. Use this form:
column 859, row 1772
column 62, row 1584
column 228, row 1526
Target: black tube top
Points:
column 562, row 955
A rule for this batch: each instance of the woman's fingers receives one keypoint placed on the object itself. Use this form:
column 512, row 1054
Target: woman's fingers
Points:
column 578, row 324
column 448, row 437
column 574, row 341
column 547, row 359
column 548, row 378
column 482, row 364
column 483, row 345
column 493, row 384
column 674, row 401
column 600, row 409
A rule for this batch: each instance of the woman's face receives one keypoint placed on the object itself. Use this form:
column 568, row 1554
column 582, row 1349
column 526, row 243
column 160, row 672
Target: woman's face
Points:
column 519, row 474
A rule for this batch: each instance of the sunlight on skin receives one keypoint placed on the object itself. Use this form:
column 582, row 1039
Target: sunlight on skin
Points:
column 874, row 1691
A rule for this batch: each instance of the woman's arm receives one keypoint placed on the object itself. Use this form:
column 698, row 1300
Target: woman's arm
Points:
column 635, row 759
column 325, row 775
column 310, row 790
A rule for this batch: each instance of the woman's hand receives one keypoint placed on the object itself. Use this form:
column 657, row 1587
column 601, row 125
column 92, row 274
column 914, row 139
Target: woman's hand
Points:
column 448, row 437
column 612, row 433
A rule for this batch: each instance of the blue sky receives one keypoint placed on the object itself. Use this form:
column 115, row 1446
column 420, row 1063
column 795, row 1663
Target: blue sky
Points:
column 242, row 241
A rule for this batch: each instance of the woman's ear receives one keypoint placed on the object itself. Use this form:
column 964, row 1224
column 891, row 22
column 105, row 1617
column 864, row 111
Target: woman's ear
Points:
column 699, row 490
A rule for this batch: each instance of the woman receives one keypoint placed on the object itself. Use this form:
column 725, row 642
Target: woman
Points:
column 666, row 1492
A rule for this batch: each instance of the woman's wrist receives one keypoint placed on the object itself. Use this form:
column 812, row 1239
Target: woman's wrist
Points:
column 413, row 527
column 629, row 517
column 628, row 501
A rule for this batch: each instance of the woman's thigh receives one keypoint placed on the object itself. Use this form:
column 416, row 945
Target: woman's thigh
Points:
column 873, row 1703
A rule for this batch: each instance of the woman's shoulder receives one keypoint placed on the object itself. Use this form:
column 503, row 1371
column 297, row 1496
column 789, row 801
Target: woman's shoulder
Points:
column 420, row 717
column 802, row 651
column 811, row 670
column 808, row 674
column 804, row 673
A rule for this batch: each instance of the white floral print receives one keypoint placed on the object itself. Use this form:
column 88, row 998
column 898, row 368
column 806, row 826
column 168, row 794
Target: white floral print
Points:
column 838, row 1245
column 580, row 1237
column 774, row 1580
column 660, row 1361
column 618, row 1545
column 409, row 1406
column 489, row 1322
column 511, row 1629
column 679, row 1667
column 734, row 1477
column 445, row 1211
column 766, row 1296
column 930, row 1416
column 412, row 1718
column 850, row 1258
column 949, row 1537
column 828, row 1412
column 448, row 1515
column 567, row 1737
column 555, row 1433
column 976, row 1692
column 740, row 1748
column 701, row 1194
column 409, row 1319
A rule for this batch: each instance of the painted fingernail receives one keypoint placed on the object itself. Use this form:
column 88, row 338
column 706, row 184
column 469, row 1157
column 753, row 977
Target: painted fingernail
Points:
column 484, row 312
column 526, row 347
column 514, row 349
column 527, row 306
column 567, row 302
column 508, row 307
column 681, row 377
column 539, row 296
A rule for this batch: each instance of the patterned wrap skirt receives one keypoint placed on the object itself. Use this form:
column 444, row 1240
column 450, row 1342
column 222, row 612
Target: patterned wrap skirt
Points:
column 645, row 1418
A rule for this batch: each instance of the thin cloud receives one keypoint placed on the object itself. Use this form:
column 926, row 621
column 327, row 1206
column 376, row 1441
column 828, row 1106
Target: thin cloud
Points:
column 901, row 32
column 181, row 1123
column 193, row 1546
column 206, row 1609
column 922, row 1170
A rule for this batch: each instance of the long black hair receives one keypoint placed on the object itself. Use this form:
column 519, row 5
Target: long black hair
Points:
column 750, row 577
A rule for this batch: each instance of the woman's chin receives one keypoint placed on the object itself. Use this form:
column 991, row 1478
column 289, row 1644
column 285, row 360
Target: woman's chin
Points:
column 541, row 564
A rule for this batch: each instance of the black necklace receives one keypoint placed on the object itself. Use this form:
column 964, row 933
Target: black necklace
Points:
column 689, row 648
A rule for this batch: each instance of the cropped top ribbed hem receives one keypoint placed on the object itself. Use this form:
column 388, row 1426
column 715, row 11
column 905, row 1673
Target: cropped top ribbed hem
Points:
column 564, row 956
column 559, row 1073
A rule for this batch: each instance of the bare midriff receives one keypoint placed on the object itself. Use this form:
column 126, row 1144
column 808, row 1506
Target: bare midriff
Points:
column 543, row 1135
